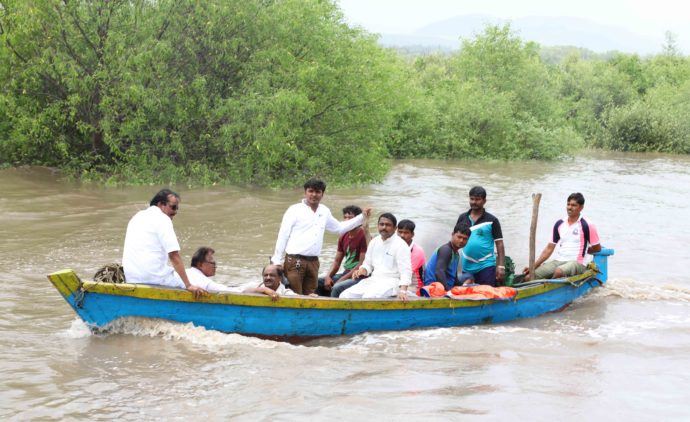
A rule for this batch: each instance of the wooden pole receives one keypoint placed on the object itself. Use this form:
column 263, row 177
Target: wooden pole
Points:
column 536, row 198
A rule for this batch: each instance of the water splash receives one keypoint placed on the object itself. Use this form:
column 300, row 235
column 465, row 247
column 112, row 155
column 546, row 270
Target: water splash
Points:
column 172, row 331
column 77, row 330
column 640, row 290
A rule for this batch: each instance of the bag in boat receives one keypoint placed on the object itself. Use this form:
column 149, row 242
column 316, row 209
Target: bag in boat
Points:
column 110, row 273
column 481, row 292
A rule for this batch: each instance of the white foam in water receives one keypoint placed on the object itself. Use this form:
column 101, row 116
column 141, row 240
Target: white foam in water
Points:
column 638, row 290
column 78, row 329
column 145, row 327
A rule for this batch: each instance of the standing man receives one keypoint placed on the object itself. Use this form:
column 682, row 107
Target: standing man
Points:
column 406, row 233
column 352, row 246
column 389, row 263
column 443, row 263
column 575, row 238
column 150, row 242
column 301, row 237
column 479, row 262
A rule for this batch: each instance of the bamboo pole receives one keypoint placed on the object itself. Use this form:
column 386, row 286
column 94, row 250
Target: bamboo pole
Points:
column 536, row 198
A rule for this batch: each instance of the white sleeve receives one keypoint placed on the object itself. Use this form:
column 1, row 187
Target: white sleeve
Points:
column 340, row 227
column 404, row 258
column 283, row 236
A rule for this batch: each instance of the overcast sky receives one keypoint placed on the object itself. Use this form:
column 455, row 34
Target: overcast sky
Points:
column 650, row 17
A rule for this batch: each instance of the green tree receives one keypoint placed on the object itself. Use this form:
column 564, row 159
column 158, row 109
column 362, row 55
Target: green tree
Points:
column 258, row 91
column 495, row 99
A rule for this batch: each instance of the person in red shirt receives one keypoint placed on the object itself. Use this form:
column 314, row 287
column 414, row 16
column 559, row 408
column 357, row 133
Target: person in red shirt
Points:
column 352, row 247
column 406, row 232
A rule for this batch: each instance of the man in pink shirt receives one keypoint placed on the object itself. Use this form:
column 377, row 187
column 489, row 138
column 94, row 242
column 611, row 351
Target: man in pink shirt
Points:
column 572, row 239
column 406, row 232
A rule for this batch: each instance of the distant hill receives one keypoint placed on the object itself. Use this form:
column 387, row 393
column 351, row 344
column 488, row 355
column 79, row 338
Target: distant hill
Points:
column 547, row 31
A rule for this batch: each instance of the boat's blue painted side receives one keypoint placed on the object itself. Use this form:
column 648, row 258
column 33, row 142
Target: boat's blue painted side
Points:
column 303, row 317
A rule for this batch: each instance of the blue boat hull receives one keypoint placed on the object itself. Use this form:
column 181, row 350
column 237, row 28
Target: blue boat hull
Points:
column 300, row 317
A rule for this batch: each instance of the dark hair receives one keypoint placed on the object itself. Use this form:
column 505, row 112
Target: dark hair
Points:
column 478, row 191
column 390, row 217
column 162, row 196
column 200, row 255
column 315, row 184
column 352, row 209
column 463, row 228
column 407, row 225
column 279, row 270
column 578, row 197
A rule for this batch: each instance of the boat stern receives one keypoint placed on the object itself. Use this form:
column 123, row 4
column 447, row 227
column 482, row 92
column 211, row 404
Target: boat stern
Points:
column 602, row 262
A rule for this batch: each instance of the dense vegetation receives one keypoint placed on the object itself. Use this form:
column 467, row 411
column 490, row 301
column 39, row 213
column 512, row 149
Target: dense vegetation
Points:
column 273, row 91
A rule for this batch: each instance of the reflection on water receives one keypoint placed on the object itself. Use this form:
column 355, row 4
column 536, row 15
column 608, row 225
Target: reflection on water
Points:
column 622, row 344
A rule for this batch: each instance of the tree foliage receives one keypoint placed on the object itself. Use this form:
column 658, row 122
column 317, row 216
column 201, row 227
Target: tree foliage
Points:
column 273, row 91
column 251, row 91
column 493, row 99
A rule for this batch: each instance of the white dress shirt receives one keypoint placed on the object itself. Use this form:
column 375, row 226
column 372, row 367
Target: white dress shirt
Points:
column 149, row 239
column 301, row 231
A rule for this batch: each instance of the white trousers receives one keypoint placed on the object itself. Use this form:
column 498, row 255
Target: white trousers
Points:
column 371, row 288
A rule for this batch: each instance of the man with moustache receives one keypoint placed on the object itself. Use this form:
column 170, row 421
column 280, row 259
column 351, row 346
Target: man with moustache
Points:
column 574, row 237
column 479, row 261
column 301, row 237
column 271, row 285
column 150, row 241
column 388, row 263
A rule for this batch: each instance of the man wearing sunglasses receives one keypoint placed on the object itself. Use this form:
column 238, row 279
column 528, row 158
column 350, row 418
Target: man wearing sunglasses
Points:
column 150, row 242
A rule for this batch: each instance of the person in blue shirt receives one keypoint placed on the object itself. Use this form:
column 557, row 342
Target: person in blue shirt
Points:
column 480, row 264
column 443, row 263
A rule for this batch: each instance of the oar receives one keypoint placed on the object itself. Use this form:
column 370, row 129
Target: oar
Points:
column 536, row 197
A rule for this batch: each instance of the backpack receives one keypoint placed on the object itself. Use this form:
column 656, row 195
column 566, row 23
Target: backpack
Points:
column 110, row 273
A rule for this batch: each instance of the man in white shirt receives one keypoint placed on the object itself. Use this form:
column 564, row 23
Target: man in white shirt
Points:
column 203, row 268
column 389, row 262
column 573, row 238
column 272, row 285
column 150, row 242
column 301, row 237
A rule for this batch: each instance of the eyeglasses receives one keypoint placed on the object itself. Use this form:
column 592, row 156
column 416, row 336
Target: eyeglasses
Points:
column 174, row 207
column 210, row 263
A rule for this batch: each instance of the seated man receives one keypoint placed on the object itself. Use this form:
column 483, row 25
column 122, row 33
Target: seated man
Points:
column 150, row 241
column 352, row 246
column 575, row 238
column 271, row 286
column 203, row 267
column 443, row 263
column 406, row 233
column 388, row 262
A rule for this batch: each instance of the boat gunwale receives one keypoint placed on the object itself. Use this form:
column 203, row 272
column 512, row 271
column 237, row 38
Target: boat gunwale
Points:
column 69, row 284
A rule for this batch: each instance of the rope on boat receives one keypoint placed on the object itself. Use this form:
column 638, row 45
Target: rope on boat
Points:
column 110, row 279
column 588, row 276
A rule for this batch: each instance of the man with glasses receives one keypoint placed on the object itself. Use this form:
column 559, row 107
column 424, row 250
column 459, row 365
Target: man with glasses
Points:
column 150, row 242
column 204, row 267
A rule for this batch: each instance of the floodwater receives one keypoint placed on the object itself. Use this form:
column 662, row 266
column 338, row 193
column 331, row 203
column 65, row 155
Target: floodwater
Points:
column 621, row 353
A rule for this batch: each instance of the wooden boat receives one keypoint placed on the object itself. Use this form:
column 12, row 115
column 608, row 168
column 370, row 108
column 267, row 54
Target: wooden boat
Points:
column 301, row 318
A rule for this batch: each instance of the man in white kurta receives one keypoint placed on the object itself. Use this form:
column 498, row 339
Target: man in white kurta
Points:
column 388, row 261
